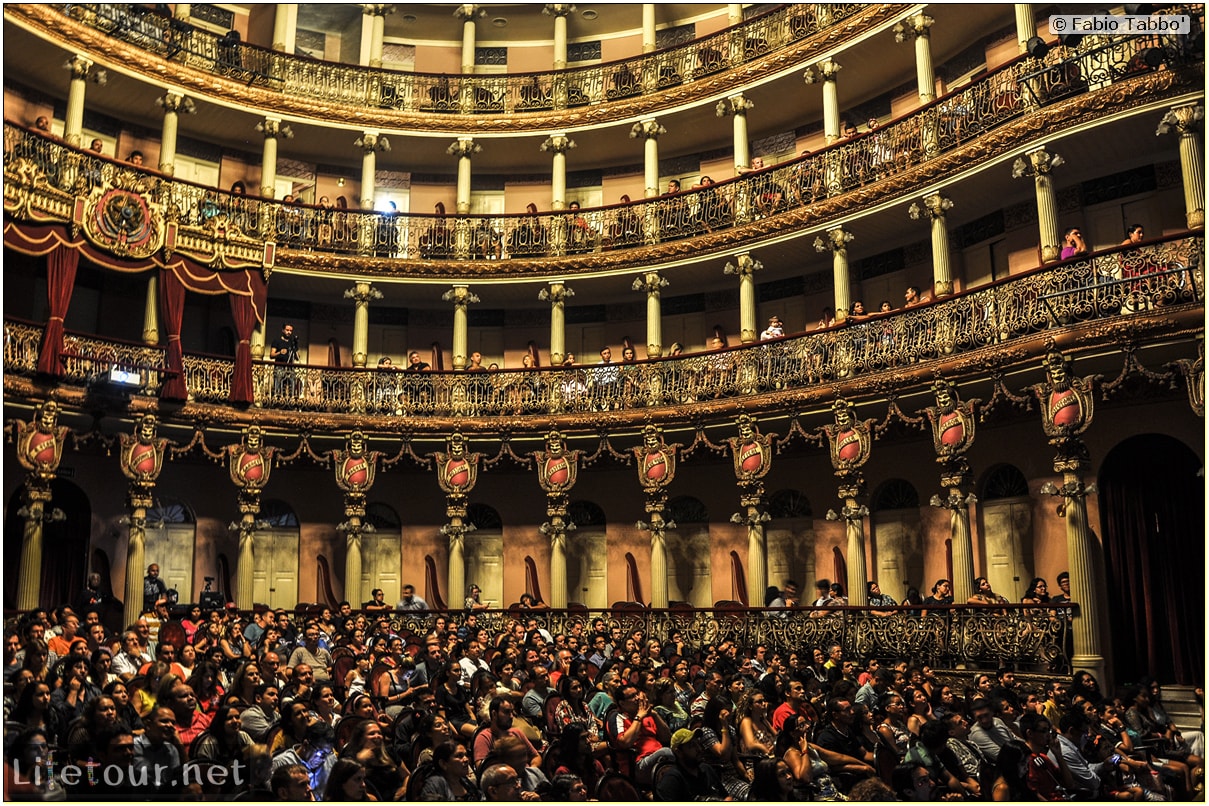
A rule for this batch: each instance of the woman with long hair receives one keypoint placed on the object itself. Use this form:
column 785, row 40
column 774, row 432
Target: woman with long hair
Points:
column 223, row 742
column 718, row 740
column 119, row 692
column 235, row 648
column 144, row 696
column 756, row 735
column 358, row 676
column 668, row 706
column 33, row 710
column 193, row 621
column 572, row 710
column 205, row 685
column 295, row 719
column 243, row 684
column 346, row 783
column 100, row 713
column 37, row 654
column 892, row 728
column 445, row 777
column 573, row 755
column 919, row 708
column 772, row 781
column 361, row 705
column 188, row 659
column 324, row 704
column 432, row 730
column 384, row 772
column 1037, row 592
column 454, row 699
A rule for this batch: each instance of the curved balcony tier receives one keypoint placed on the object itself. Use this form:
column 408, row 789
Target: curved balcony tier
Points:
column 159, row 48
column 959, row 134
column 1127, row 294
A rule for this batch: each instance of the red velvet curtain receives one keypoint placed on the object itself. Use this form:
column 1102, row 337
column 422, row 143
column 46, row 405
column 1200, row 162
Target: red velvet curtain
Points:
column 245, row 320
column 61, row 267
column 172, row 310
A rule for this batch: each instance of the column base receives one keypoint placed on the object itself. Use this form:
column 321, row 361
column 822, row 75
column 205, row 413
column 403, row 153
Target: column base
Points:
column 1091, row 663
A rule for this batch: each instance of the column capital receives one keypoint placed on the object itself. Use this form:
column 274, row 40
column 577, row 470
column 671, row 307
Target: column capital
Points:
column 1182, row 119
column 272, row 128
column 836, row 240
column 648, row 129
column 826, row 70
column 558, row 9
column 733, row 105
column 467, row 12
column 747, row 265
column 372, row 141
column 915, row 26
column 1036, row 163
column 377, row 9
column 557, row 293
column 79, row 67
column 362, row 293
column 176, row 101
column 460, row 296
column 463, row 147
column 558, row 143
column 650, row 282
column 935, row 206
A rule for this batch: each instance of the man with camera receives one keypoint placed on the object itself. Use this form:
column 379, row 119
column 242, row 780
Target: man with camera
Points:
column 284, row 350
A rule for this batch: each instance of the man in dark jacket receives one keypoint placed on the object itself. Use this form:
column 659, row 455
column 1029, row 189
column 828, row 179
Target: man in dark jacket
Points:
column 687, row 778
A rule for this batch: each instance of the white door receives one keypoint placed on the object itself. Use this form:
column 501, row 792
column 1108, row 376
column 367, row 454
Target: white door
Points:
column 587, row 569
column 275, row 568
column 195, row 170
column 485, row 566
column 171, row 548
column 380, row 560
column 1007, row 528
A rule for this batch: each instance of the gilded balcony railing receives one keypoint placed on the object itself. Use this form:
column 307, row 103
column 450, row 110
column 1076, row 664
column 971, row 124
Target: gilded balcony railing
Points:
column 1120, row 282
column 356, row 86
column 1032, row 637
column 21, row 343
column 86, row 359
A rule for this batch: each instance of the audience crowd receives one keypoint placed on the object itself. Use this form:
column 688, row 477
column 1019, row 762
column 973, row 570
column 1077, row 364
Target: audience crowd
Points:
column 328, row 704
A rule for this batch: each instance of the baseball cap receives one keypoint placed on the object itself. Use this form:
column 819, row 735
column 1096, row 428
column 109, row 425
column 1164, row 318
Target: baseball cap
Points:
column 684, row 736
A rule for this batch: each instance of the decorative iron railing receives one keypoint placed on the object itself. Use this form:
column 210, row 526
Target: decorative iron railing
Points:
column 360, row 87
column 909, row 142
column 1124, row 281
column 1032, row 637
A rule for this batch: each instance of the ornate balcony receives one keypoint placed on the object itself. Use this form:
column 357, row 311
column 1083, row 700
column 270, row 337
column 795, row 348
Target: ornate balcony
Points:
column 289, row 84
column 1145, row 289
column 996, row 115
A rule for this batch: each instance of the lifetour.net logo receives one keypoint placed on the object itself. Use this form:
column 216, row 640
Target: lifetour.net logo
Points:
column 80, row 778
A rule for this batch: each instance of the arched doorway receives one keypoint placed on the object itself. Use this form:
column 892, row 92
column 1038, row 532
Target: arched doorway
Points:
column 1007, row 530
column 897, row 538
column 275, row 556
column 689, row 568
column 587, row 556
column 64, row 544
column 1152, row 513
column 381, row 551
column 484, row 554
column 790, row 538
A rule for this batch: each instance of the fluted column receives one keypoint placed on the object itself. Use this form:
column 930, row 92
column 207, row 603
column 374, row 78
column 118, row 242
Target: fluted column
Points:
column 649, row 130
column 853, row 514
column 659, row 597
column 648, row 28
column 917, row 27
column 467, row 12
column 29, row 586
column 173, row 104
column 245, row 570
column 272, row 128
column 826, row 72
column 1184, row 120
column 734, row 14
column 285, row 27
column 362, row 293
column 460, row 296
column 736, row 105
column 1038, row 164
column 558, row 145
column 651, row 282
column 137, row 504
column 370, row 142
column 837, row 240
column 151, row 308
column 1026, row 28
column 557, row 295
column 745, row 267
column 463, row 148
column 934, row 208
column 560, row 12
column 1082, row 548
column 73, row 118
column 375, row 14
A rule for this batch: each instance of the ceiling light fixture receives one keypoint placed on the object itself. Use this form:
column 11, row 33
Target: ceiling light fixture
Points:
column 499, row 22
column 590, row 14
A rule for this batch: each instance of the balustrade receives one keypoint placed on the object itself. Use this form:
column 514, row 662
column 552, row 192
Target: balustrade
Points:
column 939, row 127
column 1123, row 281
column 358, row 86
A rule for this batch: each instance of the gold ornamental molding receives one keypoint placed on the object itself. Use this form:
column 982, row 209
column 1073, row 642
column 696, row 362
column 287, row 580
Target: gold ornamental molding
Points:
column 51, row 24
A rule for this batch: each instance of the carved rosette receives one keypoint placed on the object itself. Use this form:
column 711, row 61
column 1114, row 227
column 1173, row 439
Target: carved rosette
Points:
column 122, row 222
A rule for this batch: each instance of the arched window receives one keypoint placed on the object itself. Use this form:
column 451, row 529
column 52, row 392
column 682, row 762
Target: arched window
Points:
column 278, row 513
column 383, row 517
column 484, row 517
column 170, row 510
column 895, row 494
column 789, row 504
column 585, row 514
column 1003, row 481
column 686, row 509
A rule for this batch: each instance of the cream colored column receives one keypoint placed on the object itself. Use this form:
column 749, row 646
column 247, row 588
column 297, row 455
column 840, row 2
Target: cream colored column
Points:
column 935, row 207
column 737, row 106
column 245, row 568
column 558, row 144
column 272, row 128
column 651, row 282
column 1086, row 579
column 258, row 341
column 659, row 597
column 1026, row 27
column 463, row 148
column 182, row 11
column 837, row 241
column 29, row 586
column 362, row 293
column 285, row 27
column 151, row 308
column 467, row 12
column 734, row 14
column 1192, row 170
column 853, row 515
column 136, row 512
column 370, row 142
column 557, row 295
column 560, row 12
column 963, row 553
column 745, row 267
column 826, row 72
column 456, row 530
column 375, row 13
column 648, row 28
column 460, row 296
column 649, row 130
column 558, row 559
column 917, row 27
column 1038, row 164
column 173, row 104
column 73, row 118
